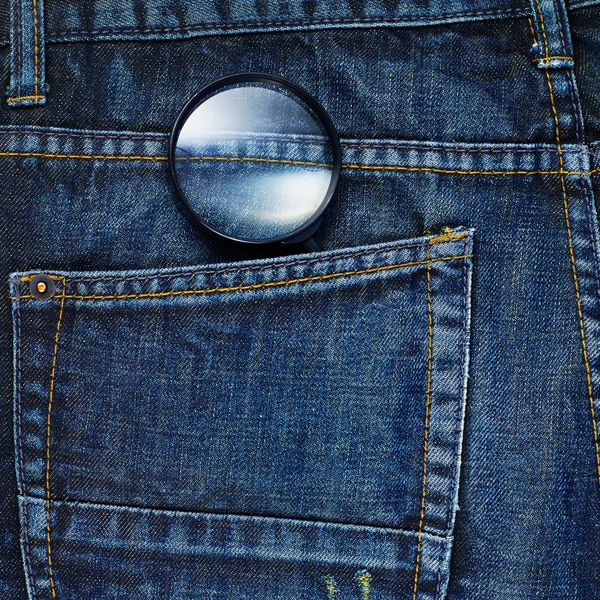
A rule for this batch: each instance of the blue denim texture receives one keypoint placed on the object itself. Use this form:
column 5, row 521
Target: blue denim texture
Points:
column 411, row 413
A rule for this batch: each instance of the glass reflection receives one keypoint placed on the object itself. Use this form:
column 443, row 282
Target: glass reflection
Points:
column 254, row 162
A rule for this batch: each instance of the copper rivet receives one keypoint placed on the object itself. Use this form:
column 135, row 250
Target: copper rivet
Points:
column 42, row 286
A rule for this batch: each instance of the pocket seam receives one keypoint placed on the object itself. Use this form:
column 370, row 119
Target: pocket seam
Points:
column 448, row 237
column 25, row 535
column 48, row 439
column 254, row 286
column 132, row 507
column 426, row 433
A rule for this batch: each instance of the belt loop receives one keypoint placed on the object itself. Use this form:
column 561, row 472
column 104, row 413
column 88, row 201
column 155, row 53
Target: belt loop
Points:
column 27, row 54
column 553, row 48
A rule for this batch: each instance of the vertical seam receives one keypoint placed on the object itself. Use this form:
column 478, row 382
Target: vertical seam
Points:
column 457, row 420
column 48, row 435
column 426, row 440
column 543, row 27
column 439, row 571
column 576, row 112
column 530, row 21
column 561, row 24
column 18, row 372
column 588, row 206
column 35, row 47
column 588, row 371
column 19, row 48
column 461, row 411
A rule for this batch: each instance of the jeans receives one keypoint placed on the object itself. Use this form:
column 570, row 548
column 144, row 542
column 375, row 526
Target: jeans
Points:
column 410, row 413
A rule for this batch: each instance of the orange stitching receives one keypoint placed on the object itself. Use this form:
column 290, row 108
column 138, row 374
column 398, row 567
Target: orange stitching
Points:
column 35, row 46
column 530, row 20
column 547, row 58
column 48, row 431
column 588, row 372
column 15, row 98
column 455, row 172
column 543, row 26
column 447, row 237
column 426, row 442
column 344, row 166
column 256, row 286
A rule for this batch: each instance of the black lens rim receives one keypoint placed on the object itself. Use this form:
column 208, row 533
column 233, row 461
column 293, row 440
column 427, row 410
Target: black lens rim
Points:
column 289, row 86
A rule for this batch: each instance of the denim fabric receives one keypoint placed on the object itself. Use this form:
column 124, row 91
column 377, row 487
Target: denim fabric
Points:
column 185, row 419
column 284, row 390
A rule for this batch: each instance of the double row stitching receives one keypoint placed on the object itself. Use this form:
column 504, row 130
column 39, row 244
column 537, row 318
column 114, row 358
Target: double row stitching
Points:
column 586, row 361
column 548, row 58
column 161, row 137
column 36, row 96
column 439, row 239
column 459, row 419
column 254, row 286
column 48, row 437
column 426, row 440
column 19, row 411
column 402, row 168
column 35, row 50
column 543, row 27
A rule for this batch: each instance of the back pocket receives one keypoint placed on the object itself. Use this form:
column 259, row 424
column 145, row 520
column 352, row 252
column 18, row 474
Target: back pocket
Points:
column 275, row 429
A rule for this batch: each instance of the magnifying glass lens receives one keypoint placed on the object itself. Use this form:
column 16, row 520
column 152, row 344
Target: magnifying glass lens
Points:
column 254, row 161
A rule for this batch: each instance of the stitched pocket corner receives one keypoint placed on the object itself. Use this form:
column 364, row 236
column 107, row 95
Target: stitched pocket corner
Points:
column 275, row 428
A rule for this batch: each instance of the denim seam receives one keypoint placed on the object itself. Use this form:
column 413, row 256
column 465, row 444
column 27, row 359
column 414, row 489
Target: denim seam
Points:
column 561, row 25
column 21, row 461
column 282, row 23
column 463, row 361
column 579, row 134
column 48, row 436
column 439, row 572
column 543, row 27
column 19, row 48
column 255, row 286
column 18, row 75
column 423, row 148
column 178, row 511
column 156, row 137
column 160, row 137
column 460, row 414
column 35, row 48
column 293, row 263
column 13, row 99
column 589, row 382
column 582, row 4
column 447, row 554
column 426, row 434
column 398, row 168
column 592, row 232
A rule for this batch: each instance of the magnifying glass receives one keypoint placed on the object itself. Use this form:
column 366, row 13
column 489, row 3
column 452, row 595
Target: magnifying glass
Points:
column 256, row 159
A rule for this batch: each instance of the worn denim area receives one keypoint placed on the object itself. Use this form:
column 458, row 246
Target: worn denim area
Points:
column 185, row 418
